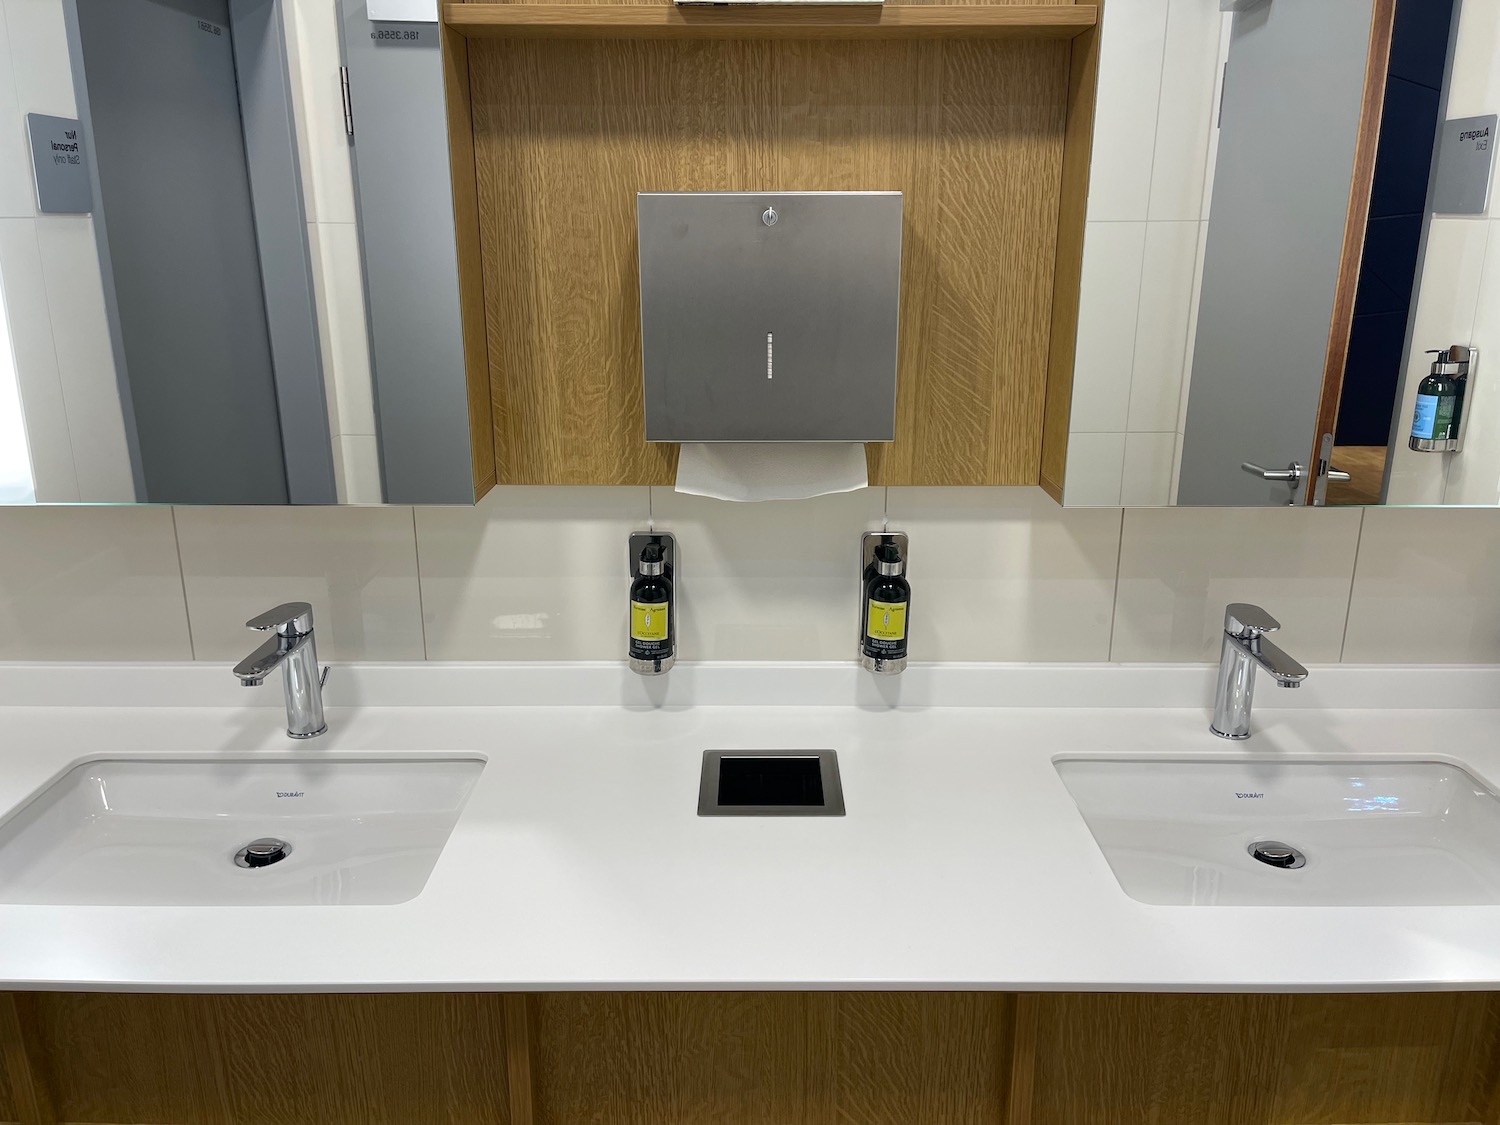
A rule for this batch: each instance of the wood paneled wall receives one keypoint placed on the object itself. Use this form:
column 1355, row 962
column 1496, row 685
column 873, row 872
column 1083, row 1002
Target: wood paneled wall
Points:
column 1264, row 1060
column 752, row 1059
column 566, row 132
column 761, row 1058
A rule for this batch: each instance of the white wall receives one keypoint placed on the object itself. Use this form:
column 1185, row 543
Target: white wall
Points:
column 332, row 234
column 53, row 291
column 998, row 574
column 539, row 574
column 52, row 288
column 1459, row 302
column 1149, row 189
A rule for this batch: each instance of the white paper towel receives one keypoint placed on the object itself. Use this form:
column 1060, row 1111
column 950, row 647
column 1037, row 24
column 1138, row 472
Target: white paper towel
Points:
column 771, row 470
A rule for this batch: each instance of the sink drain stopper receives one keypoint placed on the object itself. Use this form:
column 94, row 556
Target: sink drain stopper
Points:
column 263, row 852
column 1274, row 853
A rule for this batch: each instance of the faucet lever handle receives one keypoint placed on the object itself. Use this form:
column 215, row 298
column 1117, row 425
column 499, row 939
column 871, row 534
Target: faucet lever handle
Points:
column 290, row 619
column 1247, row 621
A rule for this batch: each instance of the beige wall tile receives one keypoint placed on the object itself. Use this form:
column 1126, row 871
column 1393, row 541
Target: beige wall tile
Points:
column 1162, row 326
column 1427, row 588
column 1006, row 574
column 1179, row 567
column 776, row 580
column 535, row 573
column 1130, row 81
column 1108, row 299
column 1185, row 118
column 1146, row 479
column 1095, row 470
column 357, row 566
column 90, row 584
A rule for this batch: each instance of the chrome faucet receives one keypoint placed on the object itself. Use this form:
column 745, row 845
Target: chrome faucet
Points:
column 1245, row 646
column 293, row 650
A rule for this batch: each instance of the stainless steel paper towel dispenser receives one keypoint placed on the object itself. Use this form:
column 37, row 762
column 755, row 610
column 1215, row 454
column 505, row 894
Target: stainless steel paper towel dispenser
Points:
column 769, row 316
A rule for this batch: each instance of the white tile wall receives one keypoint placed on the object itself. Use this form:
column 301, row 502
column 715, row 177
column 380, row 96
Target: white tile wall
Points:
column 1189, row 86
column 24, row 287
column 531, row 573
column 766, row 581
column 1146, row 476
column 357, row 566
column 1095, row 470
column 90, row 584
column 539, row 574
column 15, row 180
column 85, row 357
column 1108, row 302
column 1474, row 88
column 1426, row 588
column 1167, row 274
column 1158, row 75
column 1002, row 574
column 1179, row 567
column 333, row 238
column 39, row 57
column 1445, row 314
column 1130, row 76
column 338, row 289
column 62, row 343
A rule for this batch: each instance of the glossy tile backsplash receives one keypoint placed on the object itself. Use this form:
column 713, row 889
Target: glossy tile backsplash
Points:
column 538, row 574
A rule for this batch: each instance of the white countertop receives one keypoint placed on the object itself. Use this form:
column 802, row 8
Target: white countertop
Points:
column 579, row 861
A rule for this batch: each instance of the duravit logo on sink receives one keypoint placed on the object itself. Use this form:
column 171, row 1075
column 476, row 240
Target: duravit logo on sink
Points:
column 290, row 792
column 1249, row 796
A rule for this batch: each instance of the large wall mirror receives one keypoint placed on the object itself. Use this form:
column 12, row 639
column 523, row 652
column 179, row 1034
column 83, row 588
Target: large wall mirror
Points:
column 218, row 288
column 1346, row 242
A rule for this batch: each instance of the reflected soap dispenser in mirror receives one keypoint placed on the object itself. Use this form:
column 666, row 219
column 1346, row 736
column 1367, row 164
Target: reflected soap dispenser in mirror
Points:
column 653, row 605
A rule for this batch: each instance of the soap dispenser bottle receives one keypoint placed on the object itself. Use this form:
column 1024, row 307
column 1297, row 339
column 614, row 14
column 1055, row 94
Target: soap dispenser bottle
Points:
column 1434, row 425
column 653, row 643
column 887, row 596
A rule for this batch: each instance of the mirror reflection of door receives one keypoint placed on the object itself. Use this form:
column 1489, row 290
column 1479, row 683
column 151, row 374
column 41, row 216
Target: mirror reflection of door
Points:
column 1329, row 113
column 179, row 244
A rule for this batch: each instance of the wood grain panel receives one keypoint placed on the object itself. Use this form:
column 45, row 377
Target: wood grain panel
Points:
column 753, row 1058
column 1062, row 349
column 1353, row 1059
column 1262, row 1060
column 656, row 21
column 565, row 134
column 276, row 1060
column 24, row 1091
column 8, row 1110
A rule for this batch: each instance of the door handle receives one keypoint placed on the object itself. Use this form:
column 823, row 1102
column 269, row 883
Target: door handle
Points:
column 1289, row 475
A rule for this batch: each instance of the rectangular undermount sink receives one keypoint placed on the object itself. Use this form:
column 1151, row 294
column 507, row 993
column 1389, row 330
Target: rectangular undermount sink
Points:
column 163, row 832
column 1372, row 833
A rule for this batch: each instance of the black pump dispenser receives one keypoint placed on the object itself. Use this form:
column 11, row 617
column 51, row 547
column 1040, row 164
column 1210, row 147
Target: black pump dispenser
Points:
column 887, row 598
column 653, row 644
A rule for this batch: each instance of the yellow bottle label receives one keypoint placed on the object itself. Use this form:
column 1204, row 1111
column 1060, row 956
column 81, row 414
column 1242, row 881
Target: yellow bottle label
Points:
column 648, row 621
column 887, row 621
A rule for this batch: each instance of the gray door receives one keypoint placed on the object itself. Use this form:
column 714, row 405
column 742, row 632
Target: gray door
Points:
column 1291, row 113
column 177, row 220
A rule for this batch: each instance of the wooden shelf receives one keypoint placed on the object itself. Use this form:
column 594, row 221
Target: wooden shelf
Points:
column 786, row 21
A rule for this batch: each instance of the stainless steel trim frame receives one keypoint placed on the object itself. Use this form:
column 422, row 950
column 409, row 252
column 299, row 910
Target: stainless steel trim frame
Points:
column 828, row 765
